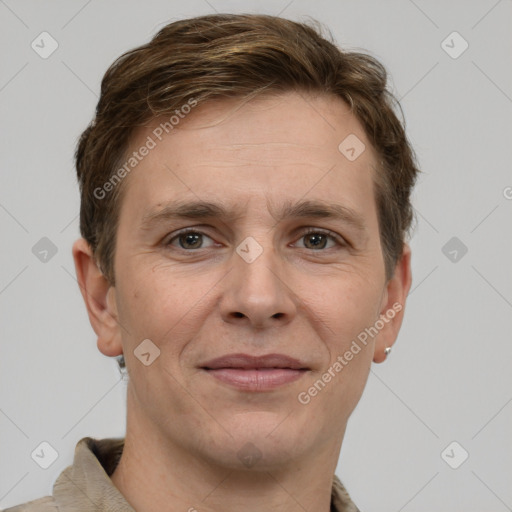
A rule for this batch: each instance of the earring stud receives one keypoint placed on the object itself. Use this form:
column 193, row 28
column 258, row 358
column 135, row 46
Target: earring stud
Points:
column 387, row 350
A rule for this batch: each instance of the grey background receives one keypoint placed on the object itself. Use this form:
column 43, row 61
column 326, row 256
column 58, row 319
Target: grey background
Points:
column 449, row 375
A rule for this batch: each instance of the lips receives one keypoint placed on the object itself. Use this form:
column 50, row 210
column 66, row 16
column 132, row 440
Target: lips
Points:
column 247, row 362
column 250, row 373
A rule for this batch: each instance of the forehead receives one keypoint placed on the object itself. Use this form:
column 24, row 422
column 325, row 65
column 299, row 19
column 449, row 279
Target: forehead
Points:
column 283, row 146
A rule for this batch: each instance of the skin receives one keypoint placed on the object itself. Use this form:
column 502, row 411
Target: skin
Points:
column 185, row 429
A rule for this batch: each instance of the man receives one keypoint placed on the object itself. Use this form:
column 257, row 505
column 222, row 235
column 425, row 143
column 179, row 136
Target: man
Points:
column 245, row 204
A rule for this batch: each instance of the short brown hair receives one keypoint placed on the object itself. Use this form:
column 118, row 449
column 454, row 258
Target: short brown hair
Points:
column 229, row 55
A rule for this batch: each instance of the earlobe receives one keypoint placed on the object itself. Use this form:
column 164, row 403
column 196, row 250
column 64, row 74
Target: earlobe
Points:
column 99, row 298
column 393, row 308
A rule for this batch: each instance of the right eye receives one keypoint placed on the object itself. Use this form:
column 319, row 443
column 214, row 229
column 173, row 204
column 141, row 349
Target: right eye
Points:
column 188, row 239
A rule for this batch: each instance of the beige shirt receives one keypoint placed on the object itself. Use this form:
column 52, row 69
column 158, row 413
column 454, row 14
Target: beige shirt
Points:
column 85, row 486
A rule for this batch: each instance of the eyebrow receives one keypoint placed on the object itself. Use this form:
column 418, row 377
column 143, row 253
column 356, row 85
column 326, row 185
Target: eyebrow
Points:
column 199, row 210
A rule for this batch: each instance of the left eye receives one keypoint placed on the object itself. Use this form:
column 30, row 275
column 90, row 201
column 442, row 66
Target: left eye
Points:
column 316, row 240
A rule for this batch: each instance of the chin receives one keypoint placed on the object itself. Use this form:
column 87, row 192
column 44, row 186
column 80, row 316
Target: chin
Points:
column 259, row 441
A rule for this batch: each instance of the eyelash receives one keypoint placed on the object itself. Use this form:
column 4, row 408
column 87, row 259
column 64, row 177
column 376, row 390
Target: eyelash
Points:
column 309, row 231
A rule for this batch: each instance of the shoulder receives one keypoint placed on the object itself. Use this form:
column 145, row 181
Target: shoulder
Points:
column 45, row 504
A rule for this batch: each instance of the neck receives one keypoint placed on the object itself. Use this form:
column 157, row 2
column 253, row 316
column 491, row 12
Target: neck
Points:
column 155, row 473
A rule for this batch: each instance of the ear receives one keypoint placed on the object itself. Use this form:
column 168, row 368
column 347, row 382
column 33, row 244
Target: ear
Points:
column 100, row 299
column 393, row 305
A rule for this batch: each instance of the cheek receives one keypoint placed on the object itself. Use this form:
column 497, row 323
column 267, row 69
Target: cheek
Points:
column 162, row 306
column 144, row 304
column 352, row 307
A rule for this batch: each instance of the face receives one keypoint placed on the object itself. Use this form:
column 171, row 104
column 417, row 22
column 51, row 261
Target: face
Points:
column 247, row 232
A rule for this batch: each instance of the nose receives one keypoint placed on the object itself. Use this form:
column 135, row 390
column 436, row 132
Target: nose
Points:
column 256, row 293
